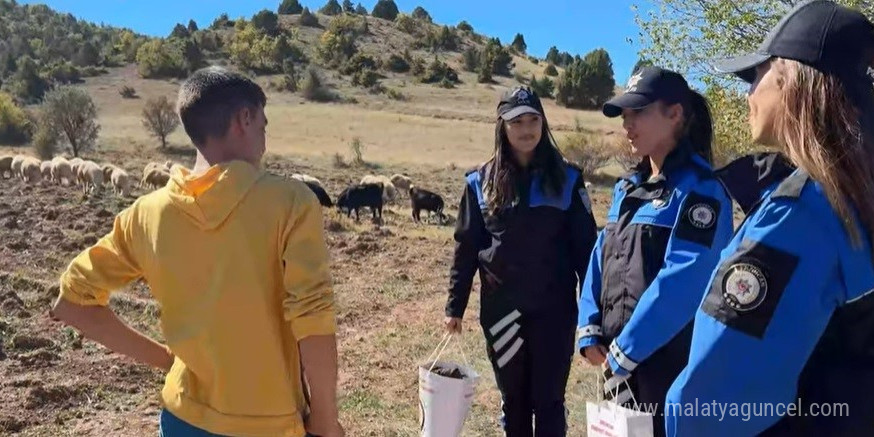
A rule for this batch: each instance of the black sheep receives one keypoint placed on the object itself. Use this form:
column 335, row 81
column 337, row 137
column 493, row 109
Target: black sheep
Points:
column 320, row 192
column 359, row 196
column 421, row 199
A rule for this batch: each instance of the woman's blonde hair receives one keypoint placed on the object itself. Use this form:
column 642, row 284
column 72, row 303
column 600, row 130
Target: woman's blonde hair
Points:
column 822, row 132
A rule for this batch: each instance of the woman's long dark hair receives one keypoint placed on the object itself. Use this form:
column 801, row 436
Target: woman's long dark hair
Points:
column 698, row 125
column 696, row 130
column 502, row 169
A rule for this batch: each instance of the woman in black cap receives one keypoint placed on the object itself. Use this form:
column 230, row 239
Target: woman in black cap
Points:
column 525, row 223
column 786, row 327
column 669, row 219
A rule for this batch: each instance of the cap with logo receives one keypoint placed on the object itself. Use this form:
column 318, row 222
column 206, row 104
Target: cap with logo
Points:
column 646, row 86
column 518, row 101
column 822, row 34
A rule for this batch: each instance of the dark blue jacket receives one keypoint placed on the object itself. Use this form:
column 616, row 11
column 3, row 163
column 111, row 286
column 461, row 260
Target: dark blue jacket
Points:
column 788, row 312
column 534, row 252
column 653, row 258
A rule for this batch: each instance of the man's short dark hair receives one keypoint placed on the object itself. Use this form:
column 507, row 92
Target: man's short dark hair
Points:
column 210, row 97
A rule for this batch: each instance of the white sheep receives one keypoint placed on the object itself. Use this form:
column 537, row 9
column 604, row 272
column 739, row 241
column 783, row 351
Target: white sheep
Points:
column 156, row 178
column 389, row 192
column 148, row 169
column 121, row 182
column 45, row 169
column 62, row 171
column 402, row 182
column 107, row 170
column 6, row 165
column 17, row 161
column 30, row 171
column 307, row 178
column 75, row 163
column 91, row 177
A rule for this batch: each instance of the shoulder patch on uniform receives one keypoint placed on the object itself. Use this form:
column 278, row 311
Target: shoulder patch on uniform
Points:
column 698, row 219
column 748, row 286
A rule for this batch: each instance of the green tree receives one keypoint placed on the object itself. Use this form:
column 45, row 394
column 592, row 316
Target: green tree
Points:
column 550, row 70
column 14, row 125
column 26, row 83
column 464, row 26
column 385, row 9
column 160, row 59
column 471, row 59
column 180, row 31
column 192, row 56
column 518, row 43
column 543, row 87
column 266, row 21
column 498, row 57
column 308, row 19
column 192, row 26
column 587, row 83
column 396, row 64
column 71, row 113
column 289, row 7
column 600, row 72
column 553, row 56
column 407, row 24
column 332, row 7
column 360, row 10
column 159, row 118
column 348, row 7
column 87, row 55
column 686, row 35
column 421, row 14
column 221, row 22
column 484, row 74
column 445, row 39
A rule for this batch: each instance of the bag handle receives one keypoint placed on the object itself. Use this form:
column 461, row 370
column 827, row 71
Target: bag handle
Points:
column 441, row 347
column 625, row 381
column 444, row 342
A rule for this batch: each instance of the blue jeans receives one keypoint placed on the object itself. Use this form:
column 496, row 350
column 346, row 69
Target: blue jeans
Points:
column 172, row 426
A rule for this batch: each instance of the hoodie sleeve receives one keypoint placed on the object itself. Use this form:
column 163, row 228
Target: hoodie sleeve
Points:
column 309, row 299
column 102, row 268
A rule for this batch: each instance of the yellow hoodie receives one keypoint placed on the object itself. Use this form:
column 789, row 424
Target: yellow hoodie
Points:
column 238, row 262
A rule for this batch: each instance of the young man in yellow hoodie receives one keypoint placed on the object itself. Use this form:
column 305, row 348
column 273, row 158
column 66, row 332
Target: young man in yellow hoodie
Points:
column 237, row 260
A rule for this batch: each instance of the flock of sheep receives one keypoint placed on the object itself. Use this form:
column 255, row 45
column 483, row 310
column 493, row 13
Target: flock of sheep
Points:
column 373, row 191
column 89, row 176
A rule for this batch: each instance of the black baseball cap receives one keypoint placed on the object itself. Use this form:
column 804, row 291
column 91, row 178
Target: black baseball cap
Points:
column 822, row 34
column 646, row 86
column 517, row 101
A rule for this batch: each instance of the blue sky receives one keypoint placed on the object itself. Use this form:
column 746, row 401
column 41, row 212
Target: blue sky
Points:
column 576, row 26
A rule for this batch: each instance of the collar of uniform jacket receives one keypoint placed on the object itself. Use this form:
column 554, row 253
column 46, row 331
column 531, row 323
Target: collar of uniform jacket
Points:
column 747, row 178
column 678, row 159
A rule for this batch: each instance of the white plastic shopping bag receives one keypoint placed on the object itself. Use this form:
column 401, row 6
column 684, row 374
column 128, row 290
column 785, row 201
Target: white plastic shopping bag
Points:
column 609, row 419
column 446, row 392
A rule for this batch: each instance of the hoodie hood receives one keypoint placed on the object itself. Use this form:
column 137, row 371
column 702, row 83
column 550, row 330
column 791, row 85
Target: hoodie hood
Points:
column 207, row 199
